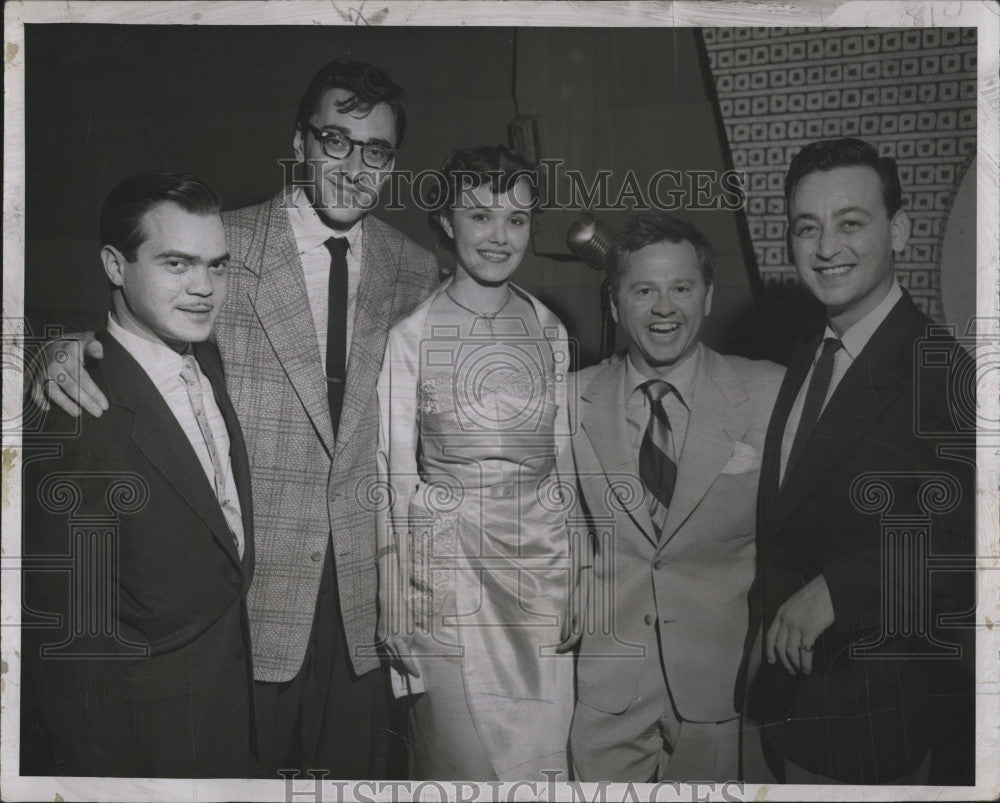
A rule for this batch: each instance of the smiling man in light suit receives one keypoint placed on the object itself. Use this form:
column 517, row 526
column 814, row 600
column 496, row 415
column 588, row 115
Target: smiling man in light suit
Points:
column 668, row 447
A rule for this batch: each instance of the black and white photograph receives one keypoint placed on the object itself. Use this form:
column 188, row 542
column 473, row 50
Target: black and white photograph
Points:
column 500, row 401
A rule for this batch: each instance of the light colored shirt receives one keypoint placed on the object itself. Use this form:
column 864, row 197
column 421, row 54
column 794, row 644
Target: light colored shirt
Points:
column 163, row 366
column 311, row 234
column 681, row 377
column 853, row 341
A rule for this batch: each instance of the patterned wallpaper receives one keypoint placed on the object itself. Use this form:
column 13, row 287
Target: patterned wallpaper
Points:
column 910, row 92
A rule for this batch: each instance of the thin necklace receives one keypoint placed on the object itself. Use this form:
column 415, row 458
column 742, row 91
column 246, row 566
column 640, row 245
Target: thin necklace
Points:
column 488, row 317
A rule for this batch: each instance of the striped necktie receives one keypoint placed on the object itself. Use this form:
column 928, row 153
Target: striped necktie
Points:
column 657, row 469
column 189, row 375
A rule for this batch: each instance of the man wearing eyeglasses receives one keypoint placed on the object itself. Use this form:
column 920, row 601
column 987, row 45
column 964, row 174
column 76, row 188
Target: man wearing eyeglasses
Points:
column 315, row 284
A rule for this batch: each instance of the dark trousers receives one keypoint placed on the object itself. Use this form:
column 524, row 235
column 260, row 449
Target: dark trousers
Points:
column 326, row 717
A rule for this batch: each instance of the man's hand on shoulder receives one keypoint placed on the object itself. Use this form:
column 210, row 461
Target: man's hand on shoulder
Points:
column 63, row 381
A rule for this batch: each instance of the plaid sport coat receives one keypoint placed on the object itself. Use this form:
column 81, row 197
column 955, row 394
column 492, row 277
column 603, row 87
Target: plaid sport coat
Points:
column 307, row 484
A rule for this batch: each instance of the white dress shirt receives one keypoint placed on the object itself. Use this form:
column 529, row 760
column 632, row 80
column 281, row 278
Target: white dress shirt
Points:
column 853, row 341
column 311, row 234
column 163, row 366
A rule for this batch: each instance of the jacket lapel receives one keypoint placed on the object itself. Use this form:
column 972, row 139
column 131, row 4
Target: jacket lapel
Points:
column 159, row 437
column 867, row 390
column 708, row 442
column 770, row 469
column 603, row 421
column 373, row 316
column 282, row 306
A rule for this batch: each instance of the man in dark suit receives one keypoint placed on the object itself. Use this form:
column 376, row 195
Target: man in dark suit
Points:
column 148, row 671
column 315, row 284
column 856, row 493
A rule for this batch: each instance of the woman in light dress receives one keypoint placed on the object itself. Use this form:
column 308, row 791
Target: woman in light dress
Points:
column 474, row 453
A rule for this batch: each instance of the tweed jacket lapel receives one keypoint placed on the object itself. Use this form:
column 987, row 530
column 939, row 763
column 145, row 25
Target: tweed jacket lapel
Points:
column 708, row 443
column 603, row 420
column 376, row 300
column 159, row 437
column 282, row 306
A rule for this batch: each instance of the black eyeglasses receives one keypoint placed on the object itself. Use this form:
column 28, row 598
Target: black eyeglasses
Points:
column 337, row 145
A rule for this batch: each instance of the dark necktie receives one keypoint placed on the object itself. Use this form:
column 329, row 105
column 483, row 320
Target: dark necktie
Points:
column 657, row 469
column 336, row 328
column 819, row 385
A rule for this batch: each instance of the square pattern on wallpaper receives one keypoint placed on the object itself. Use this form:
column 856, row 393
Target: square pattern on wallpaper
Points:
column 910, row 92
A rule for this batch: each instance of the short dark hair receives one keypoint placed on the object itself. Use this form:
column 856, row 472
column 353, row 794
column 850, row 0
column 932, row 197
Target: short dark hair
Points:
column 827, row 154
column 649, row 228
column 125, row 206
column 367, row 85
column 467, row 168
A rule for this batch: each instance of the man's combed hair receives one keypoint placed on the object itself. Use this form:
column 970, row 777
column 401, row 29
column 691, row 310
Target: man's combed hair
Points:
column 828, row 154
column 123, row 209
column 367, row 85
column 649, row 228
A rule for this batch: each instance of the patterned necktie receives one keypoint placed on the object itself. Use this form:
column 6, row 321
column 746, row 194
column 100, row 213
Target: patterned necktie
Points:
column 819, row 385
column 189, row 374
column 336, row 328
column 657, row 469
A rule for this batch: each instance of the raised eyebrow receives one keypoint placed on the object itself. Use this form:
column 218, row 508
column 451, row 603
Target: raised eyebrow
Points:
column 176, row 255
column 851, row 209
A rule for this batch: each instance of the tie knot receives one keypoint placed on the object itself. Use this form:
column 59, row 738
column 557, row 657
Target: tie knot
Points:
column 656, row 389
column 831, row 345
column 189, row 370
column 337, row 246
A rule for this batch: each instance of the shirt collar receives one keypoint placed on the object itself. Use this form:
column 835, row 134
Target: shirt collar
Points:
column 857, row 337
column 159, row 361
column 311, row 232
column 681, row 375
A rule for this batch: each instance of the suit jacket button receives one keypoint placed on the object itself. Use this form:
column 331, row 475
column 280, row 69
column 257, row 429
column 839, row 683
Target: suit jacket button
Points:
column 647, row 619
column 657, row 565
column 316, row 557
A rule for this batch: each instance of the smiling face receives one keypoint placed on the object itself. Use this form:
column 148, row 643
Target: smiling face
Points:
column 172, row 291
column 661, row 304
column 842, row 240
column 343, row 190
column 491, row 232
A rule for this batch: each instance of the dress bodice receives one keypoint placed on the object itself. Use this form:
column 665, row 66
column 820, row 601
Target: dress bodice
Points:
column 486, row 398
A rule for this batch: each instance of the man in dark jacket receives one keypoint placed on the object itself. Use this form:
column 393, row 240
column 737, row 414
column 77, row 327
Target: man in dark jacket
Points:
column 856, row 497
column 146, row 669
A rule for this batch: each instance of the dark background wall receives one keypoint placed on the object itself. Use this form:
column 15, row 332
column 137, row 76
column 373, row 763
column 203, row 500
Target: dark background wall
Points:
column 219, row 101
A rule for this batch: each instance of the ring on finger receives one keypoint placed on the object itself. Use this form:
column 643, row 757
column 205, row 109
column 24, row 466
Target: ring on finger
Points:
column 805, row 648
